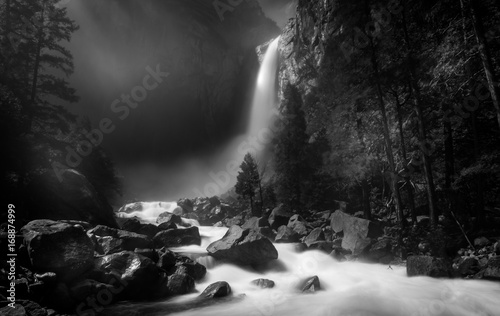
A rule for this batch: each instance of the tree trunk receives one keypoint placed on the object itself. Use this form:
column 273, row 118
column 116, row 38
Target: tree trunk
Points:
column 484, row 52
column 365, row 190
column 404, row 156
column 422, row 133
column 388, row 142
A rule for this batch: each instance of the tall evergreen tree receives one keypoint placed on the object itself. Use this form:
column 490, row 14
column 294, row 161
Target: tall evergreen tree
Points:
column 248, row 181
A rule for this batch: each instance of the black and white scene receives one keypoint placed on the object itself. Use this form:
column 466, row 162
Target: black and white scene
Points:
column 250, row 157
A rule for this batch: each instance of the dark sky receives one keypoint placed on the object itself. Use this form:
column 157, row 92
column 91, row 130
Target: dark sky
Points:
column 105, row 66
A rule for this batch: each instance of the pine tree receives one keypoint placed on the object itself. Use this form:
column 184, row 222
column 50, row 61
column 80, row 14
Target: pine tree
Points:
column 248, row 181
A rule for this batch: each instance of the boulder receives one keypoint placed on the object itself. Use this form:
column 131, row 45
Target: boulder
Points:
column 192, row 268
column 148, row 253
column 243, row 246
column 168, row 218
column 167, row 260
column 137, row 275
column 111, row 240
column 263, row 283
column 255, row 223
column 134, row 225
column 279, row 216
column 428, row 266
column 186, row 205
column 467, row 266
column 67, row 195
column 215, row 290
column 177, row 237
column 315, row 235
column 310, row 285
column 492, row 270
column 179, row 284
column 58, row 247
column 481, row 242
column 381, row 250
column 358, row 232
column 496, row 248
column 286, row 235
column 298, row 224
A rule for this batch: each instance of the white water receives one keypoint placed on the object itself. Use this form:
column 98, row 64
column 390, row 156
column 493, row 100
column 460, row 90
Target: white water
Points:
column 147, row 212
column 348, row 289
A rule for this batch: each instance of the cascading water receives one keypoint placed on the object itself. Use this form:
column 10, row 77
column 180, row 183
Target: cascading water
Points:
column 348, row 289
column 265, row 91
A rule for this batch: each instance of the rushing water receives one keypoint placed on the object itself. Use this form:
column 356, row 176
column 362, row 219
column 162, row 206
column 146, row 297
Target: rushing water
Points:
column 348, row 289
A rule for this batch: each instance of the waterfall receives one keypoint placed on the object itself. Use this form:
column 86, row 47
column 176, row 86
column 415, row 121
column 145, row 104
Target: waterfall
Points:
column 265, row 91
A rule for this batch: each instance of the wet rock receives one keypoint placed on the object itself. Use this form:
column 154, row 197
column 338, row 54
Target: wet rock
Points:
column 148, row 253
column 298, row 224
column 134, row 225
column 216, row 290
column 496, row 248
column 279, row 216
column 186, row 204
column 17, row 311
column 137, row 274
column 316, row 234
column 177, row 237
column 167, row 260
column 263, row 283
column 49, row 278
column 286, row 235
column 70, row 197
column 168, row 218
column 179, row 284
column 112, row 240
column 311, row 285
column 428, row 266
column 243, row 246
column 58, row 247
column 194, row 269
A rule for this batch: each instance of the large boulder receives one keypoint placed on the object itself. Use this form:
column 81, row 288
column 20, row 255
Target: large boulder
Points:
column 255, row 223
column 58, row 247
column 138, row 275
column 186, row 205
column 111, row 240
column 67, row 195
column 243, row 246
column 358, row 233
column 286, row 235
column 279, row 216
column 134, row 225
column 316, row 235
column 298, row 224
column 311, row 285
column 169, row 218
column 177, row 237
column 428, row 266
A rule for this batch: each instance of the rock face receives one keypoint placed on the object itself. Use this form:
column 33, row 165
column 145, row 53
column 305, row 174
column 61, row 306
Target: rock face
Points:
column 315, row 235
column 72, row 197
column 428, row 266
column 358, row 232
column 58, row 247
column 243, row 246
column 177, row 237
